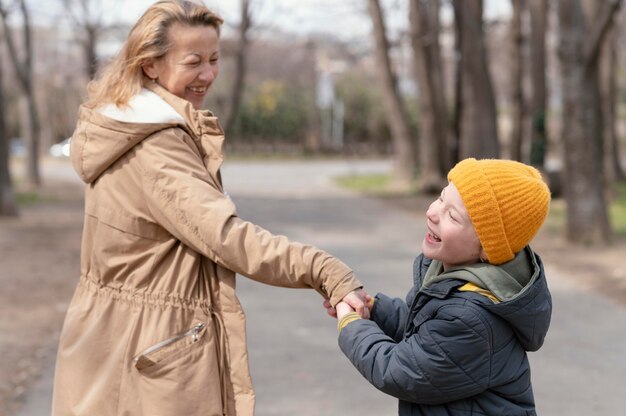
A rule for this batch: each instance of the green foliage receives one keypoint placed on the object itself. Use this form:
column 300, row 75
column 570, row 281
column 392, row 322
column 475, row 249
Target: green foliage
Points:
column 272, row 110
column 364, row 116
column 617, row 210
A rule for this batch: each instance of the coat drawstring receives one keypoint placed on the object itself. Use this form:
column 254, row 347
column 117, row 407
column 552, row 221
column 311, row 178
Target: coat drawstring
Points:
column 221, row 344
column 222, row 357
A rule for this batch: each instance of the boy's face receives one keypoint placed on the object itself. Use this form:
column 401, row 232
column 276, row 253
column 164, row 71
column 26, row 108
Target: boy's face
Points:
column 450, row 237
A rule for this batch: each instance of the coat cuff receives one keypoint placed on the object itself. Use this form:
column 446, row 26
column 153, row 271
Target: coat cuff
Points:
column 350, row 317
column 348, row 284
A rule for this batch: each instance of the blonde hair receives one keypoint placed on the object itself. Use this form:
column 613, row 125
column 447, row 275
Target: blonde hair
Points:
column 148, row 39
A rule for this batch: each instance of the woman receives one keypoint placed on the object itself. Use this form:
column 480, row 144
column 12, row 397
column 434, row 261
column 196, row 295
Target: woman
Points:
column 155, row 327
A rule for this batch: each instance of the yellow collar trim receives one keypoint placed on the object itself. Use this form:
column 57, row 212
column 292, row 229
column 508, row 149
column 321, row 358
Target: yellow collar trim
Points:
column 471, row 287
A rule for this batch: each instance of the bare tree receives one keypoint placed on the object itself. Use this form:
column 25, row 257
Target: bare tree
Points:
column 403, row 147
column 434, row 160
column 538, row 132
column 582, row 33
column 88, row 17
column 478, row 126
column 517, row 93
column 8, row 203
column 240, row 66
column 23, row 67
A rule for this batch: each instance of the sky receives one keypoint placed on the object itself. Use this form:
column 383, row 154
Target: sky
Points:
column 344, row 19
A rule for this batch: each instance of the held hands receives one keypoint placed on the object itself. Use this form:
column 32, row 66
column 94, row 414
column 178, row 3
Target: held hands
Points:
column 343, row 309
column 355, row 301
column 339, row 311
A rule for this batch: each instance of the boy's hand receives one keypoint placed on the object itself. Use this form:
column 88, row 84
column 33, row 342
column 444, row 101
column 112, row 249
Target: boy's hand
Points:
column 343, row 309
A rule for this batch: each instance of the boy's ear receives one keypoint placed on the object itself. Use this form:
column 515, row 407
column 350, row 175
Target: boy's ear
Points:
column 150, row 69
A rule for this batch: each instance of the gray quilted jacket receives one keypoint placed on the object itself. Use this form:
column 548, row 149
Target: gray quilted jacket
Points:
column 450, row 352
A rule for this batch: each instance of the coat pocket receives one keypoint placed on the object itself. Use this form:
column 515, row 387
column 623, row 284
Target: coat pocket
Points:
column 168, row 350
column 178, row 375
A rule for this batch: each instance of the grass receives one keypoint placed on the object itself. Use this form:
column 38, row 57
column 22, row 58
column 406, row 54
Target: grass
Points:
column 556, row 217
column 27, row 197
column 281, row 154
column 617, row 210
column 30, row 198
column 379, row 185
column 373, row 184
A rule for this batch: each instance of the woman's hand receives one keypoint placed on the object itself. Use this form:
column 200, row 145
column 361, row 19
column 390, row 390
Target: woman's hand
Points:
column 329, row 308
column 357, row 300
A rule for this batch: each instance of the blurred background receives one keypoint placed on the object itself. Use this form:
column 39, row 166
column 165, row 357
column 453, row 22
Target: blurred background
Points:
column 425, row 83
column 419, row 84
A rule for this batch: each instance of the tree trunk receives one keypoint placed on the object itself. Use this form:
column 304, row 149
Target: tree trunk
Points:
column 403, row 146
column 312, row 141
column 581, row 38
column 517, row 94
column 24, row 71
column 8, row 202
column 538, row 113
column 479, row 132
column 608, row 88
column 458, row 92
column 91, row 58
column 31, row 131
column 434, row 163
column 240, row 67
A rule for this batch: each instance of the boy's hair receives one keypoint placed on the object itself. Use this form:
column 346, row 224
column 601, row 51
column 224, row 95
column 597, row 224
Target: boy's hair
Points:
column 507, row 202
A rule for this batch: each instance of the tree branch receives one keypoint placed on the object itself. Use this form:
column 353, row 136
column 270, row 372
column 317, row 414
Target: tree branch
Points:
column 26, row 32
column 240, row 65
column 602, row 22
column 19, row 67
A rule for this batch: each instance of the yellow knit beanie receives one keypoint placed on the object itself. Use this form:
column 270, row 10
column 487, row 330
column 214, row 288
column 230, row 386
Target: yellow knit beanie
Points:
column 507, row 202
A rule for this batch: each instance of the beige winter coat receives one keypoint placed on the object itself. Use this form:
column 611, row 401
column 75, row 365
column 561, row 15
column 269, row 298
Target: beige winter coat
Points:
column 155, row 327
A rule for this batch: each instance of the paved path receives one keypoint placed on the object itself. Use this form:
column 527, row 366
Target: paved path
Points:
column 296, row 365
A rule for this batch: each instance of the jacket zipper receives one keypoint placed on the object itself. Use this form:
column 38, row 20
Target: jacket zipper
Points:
column 194, row 333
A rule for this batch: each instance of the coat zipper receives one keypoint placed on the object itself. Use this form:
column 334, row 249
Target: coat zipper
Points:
column 194, row 333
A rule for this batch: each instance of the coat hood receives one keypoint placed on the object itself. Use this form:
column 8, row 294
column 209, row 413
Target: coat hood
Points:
column 520, row 286
column 104, row 134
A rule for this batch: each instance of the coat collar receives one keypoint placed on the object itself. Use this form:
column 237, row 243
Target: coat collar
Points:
column 199, row 122
column 146, row 107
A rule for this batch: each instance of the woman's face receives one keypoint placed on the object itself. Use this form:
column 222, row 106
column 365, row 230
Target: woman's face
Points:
column 450, row 236
column 191, row 65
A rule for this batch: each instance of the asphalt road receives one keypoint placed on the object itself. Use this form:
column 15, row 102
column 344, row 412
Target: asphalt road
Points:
column 296, row 365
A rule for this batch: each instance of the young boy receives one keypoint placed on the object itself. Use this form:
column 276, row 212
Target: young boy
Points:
column 457, row 346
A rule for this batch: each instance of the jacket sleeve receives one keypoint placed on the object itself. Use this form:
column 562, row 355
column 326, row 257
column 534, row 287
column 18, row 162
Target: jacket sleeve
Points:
column 445, row 360
column 390, row 314
column 184, row 199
